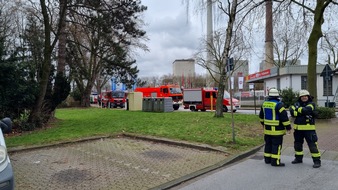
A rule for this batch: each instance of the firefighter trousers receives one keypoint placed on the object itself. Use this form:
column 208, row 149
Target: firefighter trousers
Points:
column 311, row 138
column 272, row 149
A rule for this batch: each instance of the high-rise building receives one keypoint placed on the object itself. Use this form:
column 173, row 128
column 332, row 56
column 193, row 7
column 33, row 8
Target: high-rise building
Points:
column 184, row 67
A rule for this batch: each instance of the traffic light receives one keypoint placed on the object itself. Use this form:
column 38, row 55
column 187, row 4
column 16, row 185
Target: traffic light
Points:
column 230, row 64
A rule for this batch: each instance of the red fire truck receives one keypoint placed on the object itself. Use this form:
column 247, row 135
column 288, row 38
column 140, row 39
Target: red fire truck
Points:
column 205, row 98
column 173, row 91
column 113, row 99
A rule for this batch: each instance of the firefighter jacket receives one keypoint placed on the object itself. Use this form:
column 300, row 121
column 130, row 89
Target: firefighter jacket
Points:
column 304, row 113
column 274, row 117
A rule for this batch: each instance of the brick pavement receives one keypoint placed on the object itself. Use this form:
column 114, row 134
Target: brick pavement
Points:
column 108, row 163
column 327, row 132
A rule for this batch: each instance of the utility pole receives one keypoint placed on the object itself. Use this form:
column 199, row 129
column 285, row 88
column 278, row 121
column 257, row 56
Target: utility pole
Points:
column 230, row 67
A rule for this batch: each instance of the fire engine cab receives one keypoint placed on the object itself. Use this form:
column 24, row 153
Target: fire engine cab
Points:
column 173, row 91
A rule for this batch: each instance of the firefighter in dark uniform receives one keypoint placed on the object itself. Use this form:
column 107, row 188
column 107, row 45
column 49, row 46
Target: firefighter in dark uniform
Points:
column 275, row 121
column 304, row 128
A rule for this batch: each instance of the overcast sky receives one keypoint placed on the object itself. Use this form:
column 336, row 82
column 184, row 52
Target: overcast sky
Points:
column 174, row 36
column 171, row 36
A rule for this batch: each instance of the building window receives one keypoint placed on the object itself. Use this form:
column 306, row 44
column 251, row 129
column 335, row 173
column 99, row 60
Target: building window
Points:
column 304, row 82
column 327, row 84
column 278, row 84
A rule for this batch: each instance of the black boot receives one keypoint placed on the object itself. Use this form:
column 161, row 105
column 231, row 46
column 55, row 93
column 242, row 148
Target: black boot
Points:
column 297, row 161
column 278, row 165
column 267, row 160
column 275, row 163
column 317, row 164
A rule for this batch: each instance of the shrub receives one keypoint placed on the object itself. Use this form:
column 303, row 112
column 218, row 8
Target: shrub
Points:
column 76, row 94
column 288, row 97
column 325, row 113
column 21, row 122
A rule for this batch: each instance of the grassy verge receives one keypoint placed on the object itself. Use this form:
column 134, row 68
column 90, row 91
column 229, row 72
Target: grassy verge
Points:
column 200, row 127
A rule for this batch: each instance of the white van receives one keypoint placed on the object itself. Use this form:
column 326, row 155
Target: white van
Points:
column 6, row 170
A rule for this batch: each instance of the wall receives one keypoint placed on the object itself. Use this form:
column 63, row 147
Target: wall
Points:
column 184, row 67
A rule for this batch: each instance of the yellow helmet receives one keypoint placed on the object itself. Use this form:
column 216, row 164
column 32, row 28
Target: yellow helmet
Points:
column 304, row 93
column 273, row 92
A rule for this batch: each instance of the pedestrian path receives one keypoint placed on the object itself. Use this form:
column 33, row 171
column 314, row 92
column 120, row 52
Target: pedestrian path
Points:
column 253, row 173
column 327, row 132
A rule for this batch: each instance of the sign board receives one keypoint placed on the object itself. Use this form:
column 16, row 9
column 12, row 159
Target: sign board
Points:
column 240, row 82
column 327, row 71
column 261, row 74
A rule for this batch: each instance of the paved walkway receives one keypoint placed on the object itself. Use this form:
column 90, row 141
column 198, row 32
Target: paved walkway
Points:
column 253, row 173
column 327, row 131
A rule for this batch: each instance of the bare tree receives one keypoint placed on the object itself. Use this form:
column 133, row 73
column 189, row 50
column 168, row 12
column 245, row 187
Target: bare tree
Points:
column 289, row 42
column 317, row 10
column 150, row 81
column 330, row 47
column 231, row 43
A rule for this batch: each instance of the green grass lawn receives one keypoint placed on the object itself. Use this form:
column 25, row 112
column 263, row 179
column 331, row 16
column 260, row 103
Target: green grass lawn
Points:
column 199, row 127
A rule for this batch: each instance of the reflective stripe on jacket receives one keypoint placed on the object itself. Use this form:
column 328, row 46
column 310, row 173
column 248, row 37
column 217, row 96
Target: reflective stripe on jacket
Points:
column 304, row 116
column 274, row 118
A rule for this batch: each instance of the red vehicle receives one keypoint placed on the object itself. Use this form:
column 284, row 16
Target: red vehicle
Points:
column 94, row 98
column 205, row 98
column 114, row 99
column 173, row 91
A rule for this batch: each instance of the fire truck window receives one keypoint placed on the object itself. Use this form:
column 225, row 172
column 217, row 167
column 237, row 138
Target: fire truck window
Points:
column 165, row 90
column 207, row 94
column 226, row 94
column 175, row 91
column 214, row 95
column 118, row 94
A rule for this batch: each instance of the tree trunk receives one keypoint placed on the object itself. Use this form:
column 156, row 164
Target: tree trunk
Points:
column 227, row 47
column 36, row 114
column 61, row 85
column 62, row 38
column 59, row 89
column 85, row 98
column 220, row 94
column 314, row 37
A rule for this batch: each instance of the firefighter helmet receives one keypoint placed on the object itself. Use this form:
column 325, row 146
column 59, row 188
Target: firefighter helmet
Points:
column 304, row 93
column 273, row 92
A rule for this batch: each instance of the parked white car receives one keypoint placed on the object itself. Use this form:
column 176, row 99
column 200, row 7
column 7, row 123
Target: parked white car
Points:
column 6, row 170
